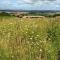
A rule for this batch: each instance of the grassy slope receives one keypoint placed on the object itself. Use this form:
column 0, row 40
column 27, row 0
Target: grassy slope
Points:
column 29, row 39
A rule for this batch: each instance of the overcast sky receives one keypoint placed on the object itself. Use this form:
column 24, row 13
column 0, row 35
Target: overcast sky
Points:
column 30, row 4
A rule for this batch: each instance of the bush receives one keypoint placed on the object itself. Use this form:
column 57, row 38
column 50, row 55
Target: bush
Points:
column 4, row 14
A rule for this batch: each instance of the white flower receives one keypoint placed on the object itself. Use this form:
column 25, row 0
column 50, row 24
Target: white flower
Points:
column 26, row 25
column 49, row 39
column 27, row 29
column 12, row 56
column 21, row 20
column 40, row 50
column 37, row 43
column 32, row 31
column 26, row 32
column 36, row 26
column 32, row 42
column 37, row 35
column 37, row 57
column 31, row 38
column 9, row 34
column 11, row 23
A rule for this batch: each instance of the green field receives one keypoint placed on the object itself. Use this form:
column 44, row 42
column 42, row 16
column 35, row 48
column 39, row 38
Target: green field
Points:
column 29, row 39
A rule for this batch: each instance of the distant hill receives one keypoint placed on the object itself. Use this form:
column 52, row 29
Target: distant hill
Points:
column 46, row 13
column 30, row 11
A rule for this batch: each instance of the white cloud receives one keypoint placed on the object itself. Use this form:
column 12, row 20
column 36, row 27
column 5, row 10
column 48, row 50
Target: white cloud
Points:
column 35, row 1
column 28, row 4
column 28, row 1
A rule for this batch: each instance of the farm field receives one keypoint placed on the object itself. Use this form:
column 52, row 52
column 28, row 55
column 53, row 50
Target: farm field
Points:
column 29, row 39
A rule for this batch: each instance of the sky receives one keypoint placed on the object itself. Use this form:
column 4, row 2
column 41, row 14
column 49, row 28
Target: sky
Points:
column 30, row 4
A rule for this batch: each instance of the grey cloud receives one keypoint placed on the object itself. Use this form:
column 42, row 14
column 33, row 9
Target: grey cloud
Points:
column 34, row 1
column 44, row 0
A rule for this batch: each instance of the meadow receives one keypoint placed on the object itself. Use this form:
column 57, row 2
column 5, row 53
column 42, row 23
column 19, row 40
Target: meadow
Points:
column 29, row 39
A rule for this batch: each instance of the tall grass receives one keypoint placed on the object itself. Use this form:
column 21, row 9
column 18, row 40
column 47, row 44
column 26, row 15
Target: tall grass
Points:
column 29, row 39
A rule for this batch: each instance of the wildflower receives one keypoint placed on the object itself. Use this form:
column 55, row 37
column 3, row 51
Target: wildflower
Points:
column 11, row 23
column 12, row 56
column 8, row 34
column 44, row 41
column 27, row 29
column 37, row 57
column 37, row 35
column 0, row 54
column 32, row 52
column 33, row 32
column 21, row 20
column 36, row 26
column 49, row 51
column 26, row 25
column 32, row 42
column 28, row 42
column 49, row 39
column 31, row 38
column 37, row 43
column 40, row 50
column 26, row 32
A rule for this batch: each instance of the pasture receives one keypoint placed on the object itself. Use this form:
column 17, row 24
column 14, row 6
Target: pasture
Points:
column 29, row 39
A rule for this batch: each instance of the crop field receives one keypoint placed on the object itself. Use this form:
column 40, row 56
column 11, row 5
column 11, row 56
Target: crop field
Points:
column 29, row 39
